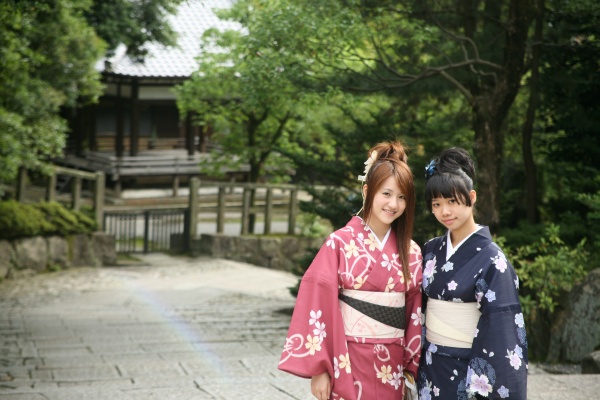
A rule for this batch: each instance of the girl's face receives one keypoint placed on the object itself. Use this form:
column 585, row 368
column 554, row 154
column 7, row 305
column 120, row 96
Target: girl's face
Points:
column 454, row 215
column 388, row 204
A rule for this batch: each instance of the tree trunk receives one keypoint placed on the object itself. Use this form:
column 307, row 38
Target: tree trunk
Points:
column 531, row 197
column 488, row 153
column 491, row 103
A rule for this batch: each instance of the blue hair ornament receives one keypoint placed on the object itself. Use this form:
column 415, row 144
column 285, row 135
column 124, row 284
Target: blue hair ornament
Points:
column 430, row 169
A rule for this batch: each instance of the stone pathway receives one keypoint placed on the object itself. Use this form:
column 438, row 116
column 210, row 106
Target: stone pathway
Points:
column 168, row 328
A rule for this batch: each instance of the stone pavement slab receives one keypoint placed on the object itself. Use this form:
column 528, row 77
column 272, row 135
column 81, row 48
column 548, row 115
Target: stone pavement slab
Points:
column 169, row 328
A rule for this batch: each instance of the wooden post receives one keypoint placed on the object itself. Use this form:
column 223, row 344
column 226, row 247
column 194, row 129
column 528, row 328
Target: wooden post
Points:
column 134, row 133
column 193, row 207
column 21, row 184
column 76, row 201
column 99, row 188
column 120, row 105
column 51, row 189
column 246, row 210
column 221, row 210
column 175, row 185
column 268, row 211
column 293, row 212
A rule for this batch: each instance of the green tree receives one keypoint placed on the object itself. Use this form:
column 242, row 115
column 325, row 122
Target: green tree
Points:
column 478, row 49
column 47, row 53
column 133, row 23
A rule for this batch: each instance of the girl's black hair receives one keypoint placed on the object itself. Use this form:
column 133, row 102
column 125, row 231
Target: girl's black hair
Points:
column 450, row 175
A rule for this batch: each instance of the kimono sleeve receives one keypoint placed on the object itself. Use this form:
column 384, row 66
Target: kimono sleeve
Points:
column 498, row 362
column 316, row 333
column 413, row 304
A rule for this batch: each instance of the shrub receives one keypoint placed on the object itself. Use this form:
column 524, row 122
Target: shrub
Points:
column 21, row 220
column 18, row 220
column 547, row 269
column 65, row 221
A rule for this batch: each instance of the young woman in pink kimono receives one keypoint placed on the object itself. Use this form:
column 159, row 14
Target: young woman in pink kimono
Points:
column 356, row 327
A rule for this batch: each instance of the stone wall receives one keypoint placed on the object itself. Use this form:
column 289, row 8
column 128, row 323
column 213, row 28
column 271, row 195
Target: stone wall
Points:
column 576, row 332
column 280, row 253
column 37, row 254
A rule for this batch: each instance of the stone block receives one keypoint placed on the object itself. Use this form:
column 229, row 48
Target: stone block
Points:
column 104, row 248
column 279, row 253
column 82, row 254
column 581, row 330
column 58, row 252
column 31, row 254
column 591, row 363
column 7, row 256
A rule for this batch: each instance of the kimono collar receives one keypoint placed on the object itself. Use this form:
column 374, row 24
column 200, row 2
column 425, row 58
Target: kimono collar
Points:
column 451, row 250
column 366, row 226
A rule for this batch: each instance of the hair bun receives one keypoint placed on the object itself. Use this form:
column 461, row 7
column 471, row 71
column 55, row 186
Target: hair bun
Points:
column 456, row 158
column 390, row 150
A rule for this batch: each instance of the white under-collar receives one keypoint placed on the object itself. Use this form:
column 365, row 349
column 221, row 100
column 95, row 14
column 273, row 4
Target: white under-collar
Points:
column 385, row 238
column 380, row 243
column 451, row 250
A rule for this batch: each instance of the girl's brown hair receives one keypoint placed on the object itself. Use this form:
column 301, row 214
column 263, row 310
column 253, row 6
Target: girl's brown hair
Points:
column 390, row 161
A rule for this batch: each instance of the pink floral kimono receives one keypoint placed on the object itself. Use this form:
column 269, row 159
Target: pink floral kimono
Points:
column 364, row 358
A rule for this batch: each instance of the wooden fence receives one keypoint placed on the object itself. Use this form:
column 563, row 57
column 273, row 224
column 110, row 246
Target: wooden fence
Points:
column 265, row 206
column 77, row 177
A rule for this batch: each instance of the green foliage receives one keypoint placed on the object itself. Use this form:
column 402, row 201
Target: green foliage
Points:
column 301, row 267
column 312, row 226
column 47, row 54
column 21, row 220
column 593, row 219
column 18, row 220
column 547, row 269
column 66, row 221
column 133, row 23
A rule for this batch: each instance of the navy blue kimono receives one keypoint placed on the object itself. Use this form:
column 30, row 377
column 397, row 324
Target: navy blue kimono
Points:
column 496, row 365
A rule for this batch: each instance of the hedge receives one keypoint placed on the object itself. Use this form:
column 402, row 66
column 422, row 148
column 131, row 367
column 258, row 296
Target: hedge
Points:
column 18, row 220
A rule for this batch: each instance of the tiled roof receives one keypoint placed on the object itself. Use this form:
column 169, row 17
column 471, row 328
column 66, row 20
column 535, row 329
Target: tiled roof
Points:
column 192, row 19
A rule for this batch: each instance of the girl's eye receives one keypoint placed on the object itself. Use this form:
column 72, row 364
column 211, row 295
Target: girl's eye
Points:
column 401, row 196
column 386, row 194
column 434, row 205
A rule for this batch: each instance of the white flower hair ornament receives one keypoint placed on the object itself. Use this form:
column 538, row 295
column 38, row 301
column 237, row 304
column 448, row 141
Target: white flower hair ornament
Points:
column 368, row 164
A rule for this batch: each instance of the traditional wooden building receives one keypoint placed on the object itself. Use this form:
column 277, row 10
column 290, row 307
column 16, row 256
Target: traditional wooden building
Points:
column 135, row 129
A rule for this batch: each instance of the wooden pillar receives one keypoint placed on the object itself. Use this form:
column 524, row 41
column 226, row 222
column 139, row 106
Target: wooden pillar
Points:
column 246, row 210
column 119, row 148
column 77, row 129
column 175, row 185
column 268, row 211
column 134, row 137
column 189, row 135
column 193, row 207
column 51, row 189
column 99, row 196
column 293, row 212
column 76, row 192
column 93, row 145
column 221, row 210
column 21, row 184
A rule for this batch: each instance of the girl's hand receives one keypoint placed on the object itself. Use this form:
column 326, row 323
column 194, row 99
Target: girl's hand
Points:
column 320, row 386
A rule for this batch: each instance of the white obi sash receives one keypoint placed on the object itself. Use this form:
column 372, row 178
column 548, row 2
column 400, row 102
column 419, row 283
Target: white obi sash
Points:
column 360, row 325
column 451, row 324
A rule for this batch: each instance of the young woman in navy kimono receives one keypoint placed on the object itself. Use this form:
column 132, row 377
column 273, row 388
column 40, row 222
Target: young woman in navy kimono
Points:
column 474, row 336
